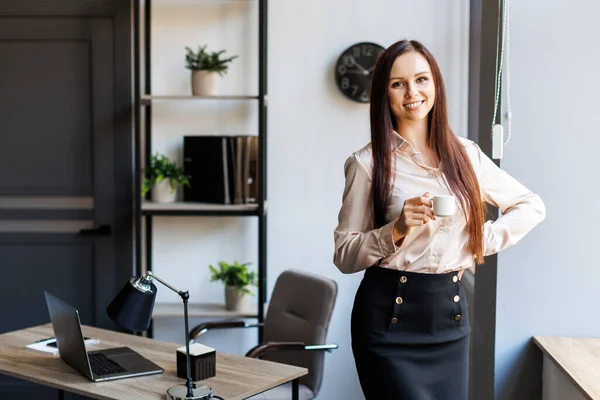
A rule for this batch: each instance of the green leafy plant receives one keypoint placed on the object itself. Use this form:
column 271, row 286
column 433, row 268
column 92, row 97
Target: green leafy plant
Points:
column 161, row 168
column 236, row 275
column 208, row 61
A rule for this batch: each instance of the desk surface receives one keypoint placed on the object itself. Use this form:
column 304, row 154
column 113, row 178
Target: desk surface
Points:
column 578, row 358
column 237, row 377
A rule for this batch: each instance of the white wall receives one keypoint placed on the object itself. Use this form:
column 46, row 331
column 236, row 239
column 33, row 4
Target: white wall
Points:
column 312, row 129
column 548, row 283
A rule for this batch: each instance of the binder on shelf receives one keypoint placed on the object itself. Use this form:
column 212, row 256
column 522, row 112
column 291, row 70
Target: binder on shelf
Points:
column 239, row 172
column 251, row 170
column 208, row 163
column 221, row 169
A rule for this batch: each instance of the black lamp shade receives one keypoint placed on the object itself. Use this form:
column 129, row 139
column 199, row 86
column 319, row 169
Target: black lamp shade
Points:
column 132, row 308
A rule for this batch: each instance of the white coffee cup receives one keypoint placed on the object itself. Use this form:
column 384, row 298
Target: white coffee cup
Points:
column 444, row 206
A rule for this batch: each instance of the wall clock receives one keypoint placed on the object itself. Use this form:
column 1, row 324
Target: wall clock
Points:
column 354, row 69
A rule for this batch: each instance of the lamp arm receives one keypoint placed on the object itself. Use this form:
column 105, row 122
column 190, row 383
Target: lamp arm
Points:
column 149, row 276
column 189, row 383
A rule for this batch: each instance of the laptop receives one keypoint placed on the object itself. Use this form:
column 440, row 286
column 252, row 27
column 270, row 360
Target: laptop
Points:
column 97, row 366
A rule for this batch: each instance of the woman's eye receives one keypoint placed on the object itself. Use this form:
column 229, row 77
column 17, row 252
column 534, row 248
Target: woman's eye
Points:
column 422, row 79
column 397, row 84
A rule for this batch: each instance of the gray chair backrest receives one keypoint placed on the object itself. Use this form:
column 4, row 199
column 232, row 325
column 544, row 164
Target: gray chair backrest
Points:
column 299, row 311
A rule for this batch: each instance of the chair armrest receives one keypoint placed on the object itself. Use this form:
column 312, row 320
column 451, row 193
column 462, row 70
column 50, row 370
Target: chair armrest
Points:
column 261, row 349
column 203, row 328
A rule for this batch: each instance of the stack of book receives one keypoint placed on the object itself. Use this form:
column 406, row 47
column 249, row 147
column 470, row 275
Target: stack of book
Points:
column 221, row 169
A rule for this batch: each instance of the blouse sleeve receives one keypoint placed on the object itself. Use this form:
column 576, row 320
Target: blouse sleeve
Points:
column 358, row 245
column 521, row 209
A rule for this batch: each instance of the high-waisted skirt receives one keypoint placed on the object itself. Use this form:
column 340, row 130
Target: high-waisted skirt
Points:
column 410, row 336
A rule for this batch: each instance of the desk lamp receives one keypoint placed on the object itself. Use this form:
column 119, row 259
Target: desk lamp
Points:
column 132, row 309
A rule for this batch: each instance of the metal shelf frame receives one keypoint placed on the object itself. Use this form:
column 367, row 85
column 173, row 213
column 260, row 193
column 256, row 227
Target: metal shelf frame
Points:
column 143, row 102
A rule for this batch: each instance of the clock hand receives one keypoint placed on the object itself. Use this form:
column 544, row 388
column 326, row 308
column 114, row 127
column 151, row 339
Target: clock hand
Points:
column 364, row 71
column 371, row 69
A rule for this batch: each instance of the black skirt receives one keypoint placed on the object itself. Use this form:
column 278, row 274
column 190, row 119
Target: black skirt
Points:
column 410, row 336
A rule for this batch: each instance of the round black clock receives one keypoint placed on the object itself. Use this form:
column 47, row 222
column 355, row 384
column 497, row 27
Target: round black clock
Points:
column 354, row 69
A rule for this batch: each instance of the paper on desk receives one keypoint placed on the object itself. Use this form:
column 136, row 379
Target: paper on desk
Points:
column 42, row 345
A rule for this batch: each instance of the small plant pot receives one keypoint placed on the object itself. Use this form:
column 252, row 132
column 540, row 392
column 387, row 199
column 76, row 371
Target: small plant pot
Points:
column 204, row 83
column 162, row 192
column 235, row 301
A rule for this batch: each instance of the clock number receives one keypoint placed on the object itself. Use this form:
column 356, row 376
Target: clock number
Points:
column 367, row 50
column 364, row 96
column 354, row 90
column 342, row 70
column 349, row 61
column 357, row 52
column 345, row 83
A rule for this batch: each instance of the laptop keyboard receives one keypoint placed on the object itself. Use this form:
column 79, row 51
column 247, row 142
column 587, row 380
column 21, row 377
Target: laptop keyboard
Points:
column 102, row 365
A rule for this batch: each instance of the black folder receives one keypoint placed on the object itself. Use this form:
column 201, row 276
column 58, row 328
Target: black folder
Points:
column 209, row 163
column 221, row 169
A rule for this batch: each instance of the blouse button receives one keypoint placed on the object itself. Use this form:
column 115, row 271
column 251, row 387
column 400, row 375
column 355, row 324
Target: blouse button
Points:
column 455, row 279
column 394, row 320
column 456, row 299
column 403, row 279
column 399, row 300
column 457, row 317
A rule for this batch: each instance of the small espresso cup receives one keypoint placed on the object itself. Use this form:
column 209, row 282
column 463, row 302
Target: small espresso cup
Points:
column 444, row 206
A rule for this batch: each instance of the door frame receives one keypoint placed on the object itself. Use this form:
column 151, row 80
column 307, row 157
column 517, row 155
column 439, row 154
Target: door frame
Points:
column 484, row 21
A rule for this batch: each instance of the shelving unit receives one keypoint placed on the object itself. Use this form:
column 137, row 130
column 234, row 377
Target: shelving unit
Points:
column 145, row 210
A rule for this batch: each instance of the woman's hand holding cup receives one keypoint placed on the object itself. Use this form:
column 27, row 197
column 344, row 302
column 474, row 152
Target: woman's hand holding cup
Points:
column 416, row 211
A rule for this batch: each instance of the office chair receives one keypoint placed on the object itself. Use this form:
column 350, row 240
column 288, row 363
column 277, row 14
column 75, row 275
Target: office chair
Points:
column 295, row 329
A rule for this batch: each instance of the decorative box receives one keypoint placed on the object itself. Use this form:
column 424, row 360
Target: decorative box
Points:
column 203, row 362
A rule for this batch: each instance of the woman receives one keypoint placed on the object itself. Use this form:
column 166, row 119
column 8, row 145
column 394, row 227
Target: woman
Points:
column 410, row 329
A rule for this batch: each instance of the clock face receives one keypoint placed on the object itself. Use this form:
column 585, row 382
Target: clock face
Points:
column 354, row 69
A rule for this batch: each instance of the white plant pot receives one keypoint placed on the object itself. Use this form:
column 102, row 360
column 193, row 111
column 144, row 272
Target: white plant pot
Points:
column 234, row 301
column 162, row 192
column 204, row 83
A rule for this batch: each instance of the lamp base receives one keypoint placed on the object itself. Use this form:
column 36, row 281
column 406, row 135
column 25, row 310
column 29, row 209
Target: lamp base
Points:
column 179, row 392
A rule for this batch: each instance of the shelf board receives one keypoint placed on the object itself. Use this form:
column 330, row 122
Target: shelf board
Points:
column 190, row 208
column 209, row 310
column 148, row 99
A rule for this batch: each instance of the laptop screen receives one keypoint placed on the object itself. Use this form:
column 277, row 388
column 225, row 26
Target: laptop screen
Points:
column 69, row 338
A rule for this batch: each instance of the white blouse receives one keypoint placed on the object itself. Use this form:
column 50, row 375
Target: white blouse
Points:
column 440, row 245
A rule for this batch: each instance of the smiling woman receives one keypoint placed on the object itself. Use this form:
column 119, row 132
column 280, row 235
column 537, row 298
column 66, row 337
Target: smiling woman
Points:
column 410, row 327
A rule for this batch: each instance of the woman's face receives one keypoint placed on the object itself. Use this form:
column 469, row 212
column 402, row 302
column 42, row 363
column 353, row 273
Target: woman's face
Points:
column 411, row 89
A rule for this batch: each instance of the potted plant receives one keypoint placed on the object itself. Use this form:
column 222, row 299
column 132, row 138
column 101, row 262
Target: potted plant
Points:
column 163, row 176
column 237, row 279
column 206, row 68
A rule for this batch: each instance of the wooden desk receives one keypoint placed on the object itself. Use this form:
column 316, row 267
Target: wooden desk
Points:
column 237, row 377
column 571, row 367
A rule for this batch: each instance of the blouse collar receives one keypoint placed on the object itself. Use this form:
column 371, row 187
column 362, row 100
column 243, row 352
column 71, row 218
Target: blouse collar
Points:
column 403, row 146
column 399, row 143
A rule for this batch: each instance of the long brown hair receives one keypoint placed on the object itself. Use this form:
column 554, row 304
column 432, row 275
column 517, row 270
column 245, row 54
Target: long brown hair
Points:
column 453, row 159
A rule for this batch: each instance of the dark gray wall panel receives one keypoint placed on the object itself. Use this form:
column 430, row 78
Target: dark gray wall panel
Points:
column 46, row 123
column 64, row 269
column 75, row 63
